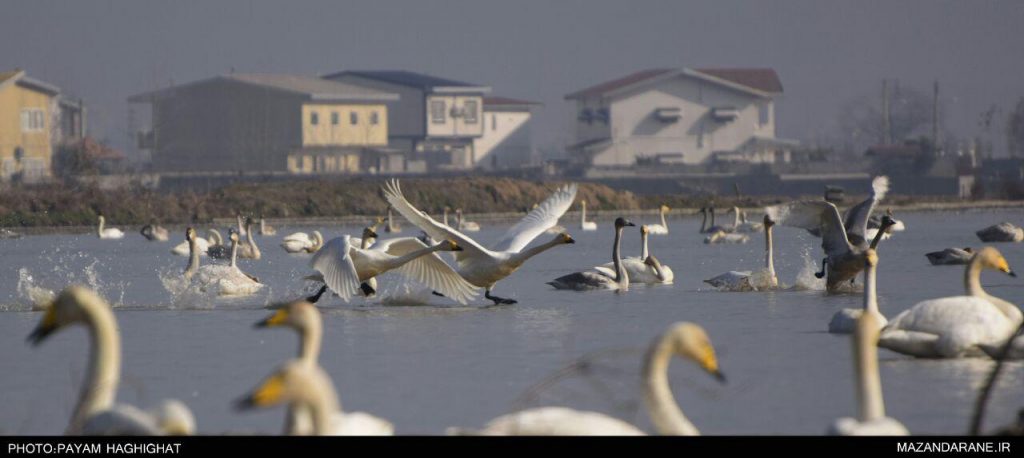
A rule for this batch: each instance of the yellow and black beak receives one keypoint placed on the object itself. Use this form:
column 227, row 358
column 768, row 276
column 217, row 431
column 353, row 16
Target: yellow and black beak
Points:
column 278, row 318
column 568, row 238
column 267, row 394
column 45, row 327
column 455, row 246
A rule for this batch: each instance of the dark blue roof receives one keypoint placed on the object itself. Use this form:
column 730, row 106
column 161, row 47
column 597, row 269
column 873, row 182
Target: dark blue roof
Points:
column 404, row 78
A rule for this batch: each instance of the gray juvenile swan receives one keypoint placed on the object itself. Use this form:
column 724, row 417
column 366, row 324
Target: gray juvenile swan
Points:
column 599, row 278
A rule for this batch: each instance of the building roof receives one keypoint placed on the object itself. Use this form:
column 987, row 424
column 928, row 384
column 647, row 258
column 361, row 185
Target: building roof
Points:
column 18, row 77
column 311, row 87
column 411, row 79
column 761, row 80
column 4, row 76
column 505, row 101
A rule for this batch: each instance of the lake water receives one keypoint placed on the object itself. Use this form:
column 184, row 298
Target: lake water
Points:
column 436, row 364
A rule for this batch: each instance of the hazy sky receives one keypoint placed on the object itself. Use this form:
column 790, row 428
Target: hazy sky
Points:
column 826, row 52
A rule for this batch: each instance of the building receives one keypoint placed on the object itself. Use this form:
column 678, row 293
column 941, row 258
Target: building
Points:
column 506, row 141
column 266, row 124
column 679, row 116
column 434, row 122
column 34, row 120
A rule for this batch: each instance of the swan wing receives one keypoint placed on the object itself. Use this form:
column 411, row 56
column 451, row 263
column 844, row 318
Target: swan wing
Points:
column 121, row 420
column 436, row 230
column 362, row 424
column 429, row 270
column 606, row 271
column 334, row 261
column 538, row 220
column 814, row 214
column 857, row 217
column 298, row 237
column 558, row 421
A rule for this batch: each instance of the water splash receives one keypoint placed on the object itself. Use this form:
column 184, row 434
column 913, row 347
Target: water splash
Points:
column 805, row 279
column 406, row 295
column 36, row 297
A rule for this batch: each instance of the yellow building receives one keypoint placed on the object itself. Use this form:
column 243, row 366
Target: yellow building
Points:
column 28, row 111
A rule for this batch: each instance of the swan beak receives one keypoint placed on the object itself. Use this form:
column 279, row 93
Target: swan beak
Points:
column 46, row 327
column 1011, row 273
column 267, row 394
column 372, row 233
column 630, row 223
column 566, row 238
column 277, row 319
column 719, row 376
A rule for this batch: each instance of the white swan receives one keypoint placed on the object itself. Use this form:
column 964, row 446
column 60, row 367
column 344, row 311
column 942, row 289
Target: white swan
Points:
column 644, row 269
column 845, row 320
column 154, row 233
column 684, row 339
column 660, row 229
column 950, row 256
column 599, row 278
column 304, row 318
column 240, row 227
column 467, row 226
column 266, row 229
column 871, row 419
column 584, row 224
column 346, row 268
column 95, row 412
column 108, row 232
column 726, row 237
column 740, row 223
column 213, row 239
column 484, row 267
column 297, row 382
column 222, row 280
column 1002, row 232
column 392, row 227
column 956, row 326
column 761, row 280
column 248, row 249
column 301, row 242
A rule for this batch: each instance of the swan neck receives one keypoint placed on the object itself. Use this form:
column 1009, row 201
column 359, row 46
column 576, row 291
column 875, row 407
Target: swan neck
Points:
column 251, row 241
column 193, row 259
column 621, row 277
column 522, row 256
column 99, row 228
column 972, row 278
column 643, row 246
column 234, row 253
column 100, row 385
column 878, row 238
column 663, row 223
column 583, row 211
column 666, row 416
column 311, row 338
column 769, row 256
column 870, row 406
column 736, row 219
column 870, row 289
column 704, row 223
column 323, row 407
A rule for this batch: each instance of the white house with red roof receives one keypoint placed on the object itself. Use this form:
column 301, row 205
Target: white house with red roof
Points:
column 680, row 116
column 506, row 141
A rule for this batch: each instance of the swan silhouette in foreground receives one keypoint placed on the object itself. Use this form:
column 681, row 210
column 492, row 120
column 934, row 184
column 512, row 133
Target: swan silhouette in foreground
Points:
column 306, row 386
column 462, row 225
column 1002, row 232
column 660, row 229
column 950, row 256
column 584, row 224
column 155, row 233
column 222, row 280
column 213, row 239
column 685, row 340
column 485, row 267
column 95, row 412
column 599, row 278
column 845, row 320
column 871, row 419
column 761, row 280
column 956, row 326
column 644, row 269
column 301, row 242
column 107, row 232
column 391, row 226
column 304, row 318
column 346, row 268
column 712, row 228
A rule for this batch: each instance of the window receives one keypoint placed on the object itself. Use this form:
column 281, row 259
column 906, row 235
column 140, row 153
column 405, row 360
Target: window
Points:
column 314, row 118
column 334, row 118
column 763, row 114
column 353, row 118
column 437, row 108
column 33, row 120
column 469, row 111
column 374, row 118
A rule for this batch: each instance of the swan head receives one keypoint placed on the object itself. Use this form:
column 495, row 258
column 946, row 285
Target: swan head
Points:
column 293, row 381
column 870, row 258
column 664, row 208
column 886, row 223
column 369, row 233
column 450, row 245
column 991, row 258
column 565, row 238
column 768, row 221
column 68, row 308
column 644, row 230
column 101, row 218
column 969, row 250
column 621, row 222
column 249, row 222
column 174, row 418
column 233, row 236
column 190, row 234
column 690, row 341
column 298, row 315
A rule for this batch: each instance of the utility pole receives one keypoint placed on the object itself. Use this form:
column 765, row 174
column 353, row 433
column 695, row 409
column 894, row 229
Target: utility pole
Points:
column 886, row 115
column 935, row 117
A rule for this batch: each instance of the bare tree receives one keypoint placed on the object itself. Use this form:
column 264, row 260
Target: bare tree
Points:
column 1015, row 130
column 862, row 119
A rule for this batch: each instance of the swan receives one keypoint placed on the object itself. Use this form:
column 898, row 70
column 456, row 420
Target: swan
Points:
column 1002, row 232
column 660, row 229
column 740, row 223
column 444, row 215
column 684, row 339
column 226, row 280
column 484, row 267
column 301, row 242
column 599, row 279
column 467, row 226
column 752, row 281
column 346, row 268
column 875, row 222
column 95, row 411
column 392, row 227
column 240, row 226
column 299, row 383
column 584, row 224
column 107, row 233
column 871, row 419
column 704, row 228
column 950, row 256
column 304, row 318
column 644, row 269
column 266, row 229
column 155, row 233
column 248, row 249
column 845, row 320
column 213, row 239
column 726, row 237
column 956, row 326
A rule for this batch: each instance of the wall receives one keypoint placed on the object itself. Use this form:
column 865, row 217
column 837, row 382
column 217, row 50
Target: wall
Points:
column 344, row 133
column 405, row 115
column 466, row 125
column 506, row 140
column 37, row 144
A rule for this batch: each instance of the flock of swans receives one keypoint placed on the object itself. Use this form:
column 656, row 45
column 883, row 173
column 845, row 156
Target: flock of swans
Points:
column 975, row 324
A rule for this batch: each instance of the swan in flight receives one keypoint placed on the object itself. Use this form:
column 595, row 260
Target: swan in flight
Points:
column 660, row 229
column 740, row 223
column 1002, row 232
column 95, row 412
column 599, row 278
column 950, row 256
column 304, row 318
column 107, row 232
column 248, row 249
column 392, row 227
column 301, row 242
column 466, row 226
column 266, row 229
column 644, row 269
column 307, row 386
column 346, row 268
column 761, row 280
column 685, row 340
column 223, row 280
column 584, row 224
column 155, row 233
column 485, row 267
column 956, row 326
column 871, row 419
column 845, row 320
column 213, row 239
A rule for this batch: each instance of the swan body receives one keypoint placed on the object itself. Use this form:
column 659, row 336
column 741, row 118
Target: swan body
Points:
column 584, row 224
column 301, row 242
column 203, row 245
column 845, row 320
column 713, row 228
column 221, row 280
column 558, row 421
column 484, row 267
column 950, row 256
column 726, row 237
column 643, row 269
column 107, row 232
column 155, row 233
column 248, row 249
column 1002, row 232
column 599, row 278
column 266, row 229
column 466, row 226
column 761, row 280
column 957, row 326
column 660, row 229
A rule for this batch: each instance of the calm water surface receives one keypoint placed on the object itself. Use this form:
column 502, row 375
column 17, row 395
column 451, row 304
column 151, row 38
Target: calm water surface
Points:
column 427, row 364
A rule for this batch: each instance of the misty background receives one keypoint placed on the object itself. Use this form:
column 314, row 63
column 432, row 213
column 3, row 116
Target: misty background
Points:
column 831, row 56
